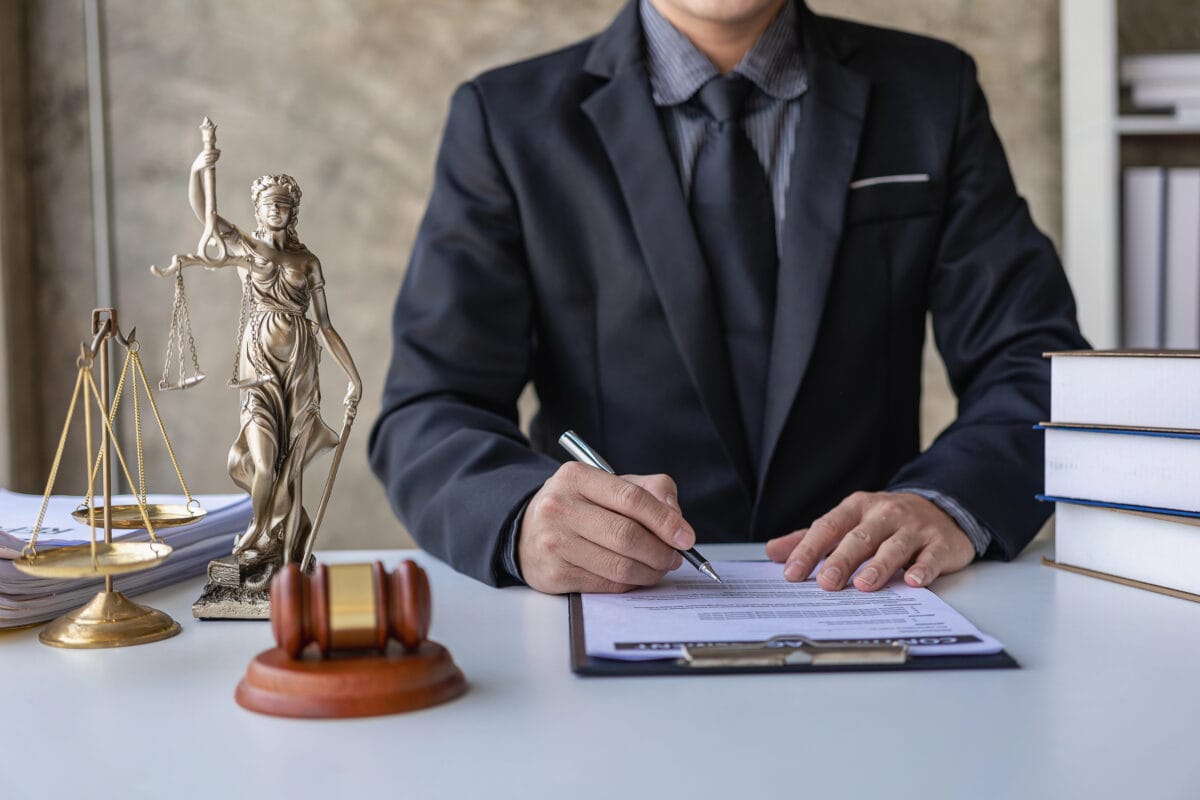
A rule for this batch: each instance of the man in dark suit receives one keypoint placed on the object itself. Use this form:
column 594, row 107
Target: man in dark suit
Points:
column 710, row 236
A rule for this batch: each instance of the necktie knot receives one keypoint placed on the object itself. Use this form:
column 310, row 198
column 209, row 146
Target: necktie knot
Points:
column 723, row 97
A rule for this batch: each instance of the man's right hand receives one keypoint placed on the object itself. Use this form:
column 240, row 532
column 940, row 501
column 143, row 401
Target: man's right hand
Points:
column 588, row 531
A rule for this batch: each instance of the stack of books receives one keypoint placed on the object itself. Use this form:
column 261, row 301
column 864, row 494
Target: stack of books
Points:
column 1123, row 466
column 1164, row 82
column 26, row 599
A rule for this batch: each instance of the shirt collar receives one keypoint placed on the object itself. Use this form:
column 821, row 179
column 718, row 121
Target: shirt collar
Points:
column 677, row 69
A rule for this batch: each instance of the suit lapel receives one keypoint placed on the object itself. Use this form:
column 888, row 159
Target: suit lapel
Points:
column 624, row 115
column 822, row 167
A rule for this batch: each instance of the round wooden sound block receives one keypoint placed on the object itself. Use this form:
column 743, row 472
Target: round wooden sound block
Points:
column 350, row 685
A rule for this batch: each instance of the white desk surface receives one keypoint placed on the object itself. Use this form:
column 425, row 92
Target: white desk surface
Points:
column 1106, row 704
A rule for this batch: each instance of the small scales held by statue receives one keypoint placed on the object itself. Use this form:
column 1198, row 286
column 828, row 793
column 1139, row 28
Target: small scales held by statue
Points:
column 275, row 372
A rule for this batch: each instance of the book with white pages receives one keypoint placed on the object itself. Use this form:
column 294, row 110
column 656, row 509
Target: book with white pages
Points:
column 1154, row 469
column 1139, row 545
column 1126, row 388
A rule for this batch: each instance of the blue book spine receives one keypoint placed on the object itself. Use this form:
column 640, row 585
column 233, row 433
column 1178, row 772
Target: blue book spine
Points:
column 1171, row 512
column 1155, row 432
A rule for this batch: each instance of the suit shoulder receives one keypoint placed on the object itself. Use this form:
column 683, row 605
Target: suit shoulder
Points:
column 534, row 76
column 896, row 53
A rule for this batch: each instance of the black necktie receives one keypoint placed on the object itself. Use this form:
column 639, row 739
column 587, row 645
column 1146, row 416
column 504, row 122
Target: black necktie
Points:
column 735, row 222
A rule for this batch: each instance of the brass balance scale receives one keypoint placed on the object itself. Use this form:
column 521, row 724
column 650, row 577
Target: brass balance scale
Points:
column 110, row 619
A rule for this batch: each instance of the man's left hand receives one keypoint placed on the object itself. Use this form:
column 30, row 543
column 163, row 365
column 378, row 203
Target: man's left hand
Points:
column 891, row 529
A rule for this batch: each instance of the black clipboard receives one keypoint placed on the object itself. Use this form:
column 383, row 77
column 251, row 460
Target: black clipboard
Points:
column 583, row 664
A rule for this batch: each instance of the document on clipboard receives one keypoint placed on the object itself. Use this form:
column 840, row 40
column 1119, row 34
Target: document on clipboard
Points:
column 687, row 622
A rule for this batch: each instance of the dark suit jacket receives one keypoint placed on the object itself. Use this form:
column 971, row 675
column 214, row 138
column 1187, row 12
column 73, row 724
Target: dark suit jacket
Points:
column 557, row 247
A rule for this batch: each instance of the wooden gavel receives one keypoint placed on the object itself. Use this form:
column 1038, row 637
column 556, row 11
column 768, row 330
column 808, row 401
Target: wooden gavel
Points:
column 346, row 607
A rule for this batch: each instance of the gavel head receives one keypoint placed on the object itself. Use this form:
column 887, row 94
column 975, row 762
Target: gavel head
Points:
column 344, row 607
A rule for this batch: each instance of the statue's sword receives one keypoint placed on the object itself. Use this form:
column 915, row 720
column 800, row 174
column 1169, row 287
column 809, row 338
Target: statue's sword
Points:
column 347, row 423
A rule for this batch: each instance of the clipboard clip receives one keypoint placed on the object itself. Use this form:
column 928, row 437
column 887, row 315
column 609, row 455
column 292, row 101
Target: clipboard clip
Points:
column 781, row 651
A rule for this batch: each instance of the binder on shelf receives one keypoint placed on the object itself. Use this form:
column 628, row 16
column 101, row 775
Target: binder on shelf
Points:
column 1182, row 257
column 1144, row 251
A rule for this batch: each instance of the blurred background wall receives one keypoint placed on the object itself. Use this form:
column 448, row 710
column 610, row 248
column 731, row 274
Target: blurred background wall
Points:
column 348, row 96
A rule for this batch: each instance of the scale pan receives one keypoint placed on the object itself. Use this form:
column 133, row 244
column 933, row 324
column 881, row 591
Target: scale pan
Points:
column 129, row 518
column 75, row 561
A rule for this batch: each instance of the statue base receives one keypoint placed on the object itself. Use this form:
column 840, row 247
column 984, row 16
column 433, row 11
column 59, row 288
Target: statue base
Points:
column 224, row 602
column 226, row 596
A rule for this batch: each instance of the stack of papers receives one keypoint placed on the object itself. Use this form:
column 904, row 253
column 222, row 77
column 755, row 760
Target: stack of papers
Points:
column 25, row 599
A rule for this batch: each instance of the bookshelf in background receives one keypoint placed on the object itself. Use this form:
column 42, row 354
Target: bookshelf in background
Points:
column 1102, row 138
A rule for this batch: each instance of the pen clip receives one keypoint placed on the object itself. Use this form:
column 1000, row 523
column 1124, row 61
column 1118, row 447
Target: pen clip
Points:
column 581, row 451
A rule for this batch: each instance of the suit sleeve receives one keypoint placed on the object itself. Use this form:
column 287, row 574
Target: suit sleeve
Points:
column 447, row 445
column 999, row 298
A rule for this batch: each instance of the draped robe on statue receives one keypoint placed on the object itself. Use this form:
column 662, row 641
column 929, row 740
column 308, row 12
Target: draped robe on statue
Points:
column 279, row 341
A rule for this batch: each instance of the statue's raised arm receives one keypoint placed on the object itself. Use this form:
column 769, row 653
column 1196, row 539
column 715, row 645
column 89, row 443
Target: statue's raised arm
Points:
column 214, row 250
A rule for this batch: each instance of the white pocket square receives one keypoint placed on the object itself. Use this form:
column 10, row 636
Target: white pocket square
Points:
column 910, row 178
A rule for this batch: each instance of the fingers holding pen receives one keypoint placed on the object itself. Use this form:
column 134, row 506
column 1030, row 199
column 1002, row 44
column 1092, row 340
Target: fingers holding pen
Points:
column 629, row 499
column 587, row 530
column 661, row 486
column 623, row 537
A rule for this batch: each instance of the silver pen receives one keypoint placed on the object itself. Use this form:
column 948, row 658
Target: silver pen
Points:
column 583, row 453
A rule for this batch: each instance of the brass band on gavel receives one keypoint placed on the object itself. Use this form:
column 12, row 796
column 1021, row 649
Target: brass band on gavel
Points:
column 347, row 607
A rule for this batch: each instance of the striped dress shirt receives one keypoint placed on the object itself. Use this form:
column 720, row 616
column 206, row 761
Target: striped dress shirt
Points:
column 774, row 65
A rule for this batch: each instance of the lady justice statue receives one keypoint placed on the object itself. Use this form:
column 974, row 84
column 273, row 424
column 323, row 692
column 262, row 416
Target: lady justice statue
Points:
column 275, row 371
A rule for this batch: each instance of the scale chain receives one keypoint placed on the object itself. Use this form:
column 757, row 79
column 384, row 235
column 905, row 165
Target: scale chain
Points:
column 62, row 443
column 90, row 499
column 181, row 326
column 137, row 431
column 112, row 416
column 141, row 373
column 91, row 381
column 243, row 316
column 173, row 331
column 179, row 333
column 187, row 324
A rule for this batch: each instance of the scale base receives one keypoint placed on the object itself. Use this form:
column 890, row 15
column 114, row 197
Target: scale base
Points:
column 350, row 685
column 110, row 619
